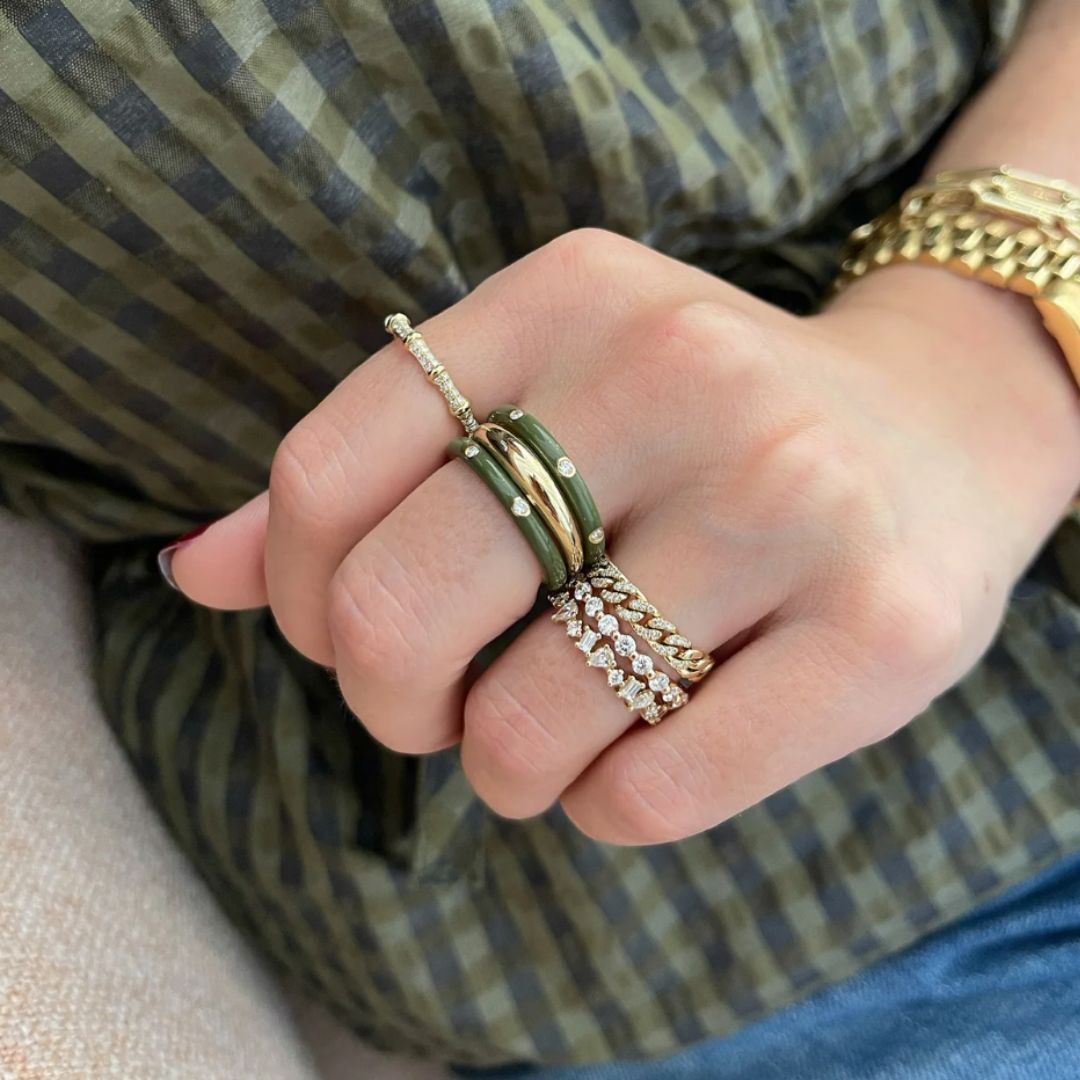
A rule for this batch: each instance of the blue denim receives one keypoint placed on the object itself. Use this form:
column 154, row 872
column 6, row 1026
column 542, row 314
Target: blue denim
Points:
column 992, row 996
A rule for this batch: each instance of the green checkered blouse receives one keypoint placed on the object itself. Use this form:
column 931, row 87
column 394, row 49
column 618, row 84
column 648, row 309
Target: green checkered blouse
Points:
column 205, row 210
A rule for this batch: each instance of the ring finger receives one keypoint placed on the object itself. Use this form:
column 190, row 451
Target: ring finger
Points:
column 539, row 716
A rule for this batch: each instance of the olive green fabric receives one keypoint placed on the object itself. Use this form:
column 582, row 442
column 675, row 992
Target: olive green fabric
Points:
column 205, row 211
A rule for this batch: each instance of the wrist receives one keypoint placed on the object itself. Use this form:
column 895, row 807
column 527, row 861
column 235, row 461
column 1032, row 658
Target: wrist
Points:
column 979, row 368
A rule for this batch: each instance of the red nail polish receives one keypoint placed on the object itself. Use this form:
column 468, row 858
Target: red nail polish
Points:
column 165, row 555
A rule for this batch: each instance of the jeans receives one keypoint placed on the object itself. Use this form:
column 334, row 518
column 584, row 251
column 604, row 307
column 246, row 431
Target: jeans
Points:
column 993, row 996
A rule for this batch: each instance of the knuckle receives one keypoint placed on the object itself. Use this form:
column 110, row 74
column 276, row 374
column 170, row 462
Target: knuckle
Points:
column 306, row 475
column 647, row 802
column 804, row 467
column 906, row 621
column 704, row 352
column 583, row 255
column 712, row 337
column 375, row 621
column 507, row 749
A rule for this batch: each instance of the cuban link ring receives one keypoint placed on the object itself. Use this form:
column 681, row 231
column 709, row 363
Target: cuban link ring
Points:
column 639, row 685
column 648, row 623
column 400, row 327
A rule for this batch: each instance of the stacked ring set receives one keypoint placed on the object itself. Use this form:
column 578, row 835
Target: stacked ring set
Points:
column 608, row 618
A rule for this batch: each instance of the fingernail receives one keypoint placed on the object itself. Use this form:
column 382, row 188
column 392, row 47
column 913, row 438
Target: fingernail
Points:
column 165, row 555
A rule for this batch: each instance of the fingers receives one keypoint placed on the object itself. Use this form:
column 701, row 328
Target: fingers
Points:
column 442, row 575
column 782, row 707
column 383, row 430
column 538, row 717
column 222, row 566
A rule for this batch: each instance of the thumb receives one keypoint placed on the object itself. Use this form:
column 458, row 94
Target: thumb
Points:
column 220, row 565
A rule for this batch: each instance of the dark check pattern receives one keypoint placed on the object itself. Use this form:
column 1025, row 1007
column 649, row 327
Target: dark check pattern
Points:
column 205, row 209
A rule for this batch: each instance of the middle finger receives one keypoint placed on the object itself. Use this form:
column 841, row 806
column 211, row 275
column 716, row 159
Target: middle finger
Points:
column 437, row 579
column 538, row 717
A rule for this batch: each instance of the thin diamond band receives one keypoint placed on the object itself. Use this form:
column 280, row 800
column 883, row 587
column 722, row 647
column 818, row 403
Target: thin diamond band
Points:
column 437, row 375
column 596, row 630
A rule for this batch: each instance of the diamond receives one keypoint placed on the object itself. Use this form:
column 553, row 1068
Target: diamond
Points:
column 565, row 613
column 566, row 467
column 596, row 536
column 677, row 639
column 472, row 450
column 559, row 598
column 643, row 699
column 593, row 606
column 653, row 713
column 615, row 677
column 661, row 624
column 624, row 645
column 629, row 616
column 581, row 590
column 420, row 350
column 659, row 682
column 642, row 665
column 574, row 628
column 519, row 507
column 587, row 640
column 629, row 690
column 603, row 657
column 398, row 324
column 442, row 380
column 642, row 605
column 516, row 414
column 672, row 694
column 609, row 625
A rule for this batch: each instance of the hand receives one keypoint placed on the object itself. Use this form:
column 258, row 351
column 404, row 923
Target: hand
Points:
column 837, row 506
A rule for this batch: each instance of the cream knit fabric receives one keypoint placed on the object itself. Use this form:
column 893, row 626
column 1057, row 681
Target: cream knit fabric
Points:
column 114, row 960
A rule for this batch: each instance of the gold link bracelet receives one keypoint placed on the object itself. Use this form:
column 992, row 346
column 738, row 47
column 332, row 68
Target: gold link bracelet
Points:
column 1009, row 228
column 1012, row 229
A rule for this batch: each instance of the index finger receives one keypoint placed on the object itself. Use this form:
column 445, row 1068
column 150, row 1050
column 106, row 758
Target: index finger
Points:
column 384, row 430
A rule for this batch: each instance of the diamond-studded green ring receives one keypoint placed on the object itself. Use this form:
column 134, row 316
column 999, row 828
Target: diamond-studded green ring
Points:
column 527, row 428
column 488, row 468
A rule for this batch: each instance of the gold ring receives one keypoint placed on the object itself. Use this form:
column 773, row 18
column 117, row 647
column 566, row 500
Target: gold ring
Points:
column 540, row 489
column 633, row 676
column 437, row 375
column 647, row 622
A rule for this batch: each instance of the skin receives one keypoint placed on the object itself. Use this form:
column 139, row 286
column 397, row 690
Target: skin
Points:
column 838, row 506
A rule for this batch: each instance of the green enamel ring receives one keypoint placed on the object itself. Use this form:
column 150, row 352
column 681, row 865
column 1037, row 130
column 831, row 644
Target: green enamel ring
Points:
column 527, row 428
column 487, row 467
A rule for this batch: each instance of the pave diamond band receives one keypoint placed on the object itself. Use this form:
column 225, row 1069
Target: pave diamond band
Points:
column 437, row 375
column 631, row 674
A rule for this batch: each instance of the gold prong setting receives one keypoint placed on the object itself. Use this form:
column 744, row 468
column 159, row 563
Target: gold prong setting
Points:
column 597, row 632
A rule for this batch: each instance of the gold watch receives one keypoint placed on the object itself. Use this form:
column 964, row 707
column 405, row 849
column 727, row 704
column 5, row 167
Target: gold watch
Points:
column 1009, row 228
